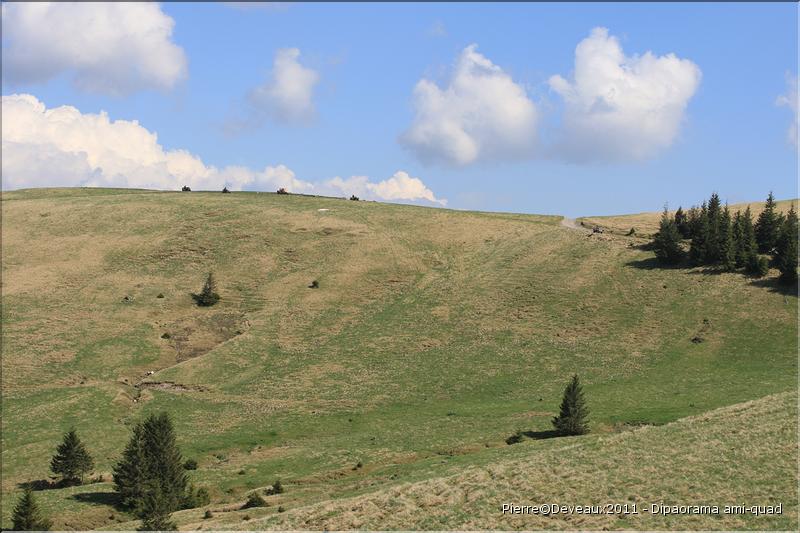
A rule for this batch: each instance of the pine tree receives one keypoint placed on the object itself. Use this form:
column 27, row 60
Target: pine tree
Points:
column 768, row 226
column 164, row 464
column 693, row 220
column 700, row 237
column 572, row 418
column 151, row 458
column 748, row 247
column 682, row 223
column 713, row 251
column 727, row 245
column 129, row 472
column 27, row 516
column 155, row 511
column 208, row 296
column 786, row 249
column 737, row 237
column 71, row 460
column 667, row 242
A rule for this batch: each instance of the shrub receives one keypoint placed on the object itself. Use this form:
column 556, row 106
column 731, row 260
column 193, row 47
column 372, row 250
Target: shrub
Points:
column 196, row 497
column 166, row 335
column 282, row 191
column 160, row 295
column 254, row 500
column 571, row 419
column 190, row 464
column 281, row 509
column 186, row 188
column 276, row 488
column 757, row 265
column 208, row 295
column 208, row 514
column 631, row 232
column 515, row 438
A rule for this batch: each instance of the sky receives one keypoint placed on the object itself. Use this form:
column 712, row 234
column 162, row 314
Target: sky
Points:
column 574, row 109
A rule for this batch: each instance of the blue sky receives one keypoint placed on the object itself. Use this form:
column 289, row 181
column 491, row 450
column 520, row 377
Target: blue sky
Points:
column 363, row 117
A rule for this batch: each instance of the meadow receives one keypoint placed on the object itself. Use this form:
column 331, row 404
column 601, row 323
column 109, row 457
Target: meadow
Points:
column 433, row 336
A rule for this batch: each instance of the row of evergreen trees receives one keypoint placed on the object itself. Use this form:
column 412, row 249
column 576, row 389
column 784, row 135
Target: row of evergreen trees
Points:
column 731, row 241
column 149, row 478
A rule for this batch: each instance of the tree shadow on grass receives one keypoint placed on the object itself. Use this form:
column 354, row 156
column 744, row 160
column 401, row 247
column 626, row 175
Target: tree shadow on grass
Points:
column 98, row 498
column 40, row 484
column 653, row 263
column 540, row 435
column 776, row 285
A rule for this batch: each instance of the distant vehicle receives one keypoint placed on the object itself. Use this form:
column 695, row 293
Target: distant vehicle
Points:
column 186, row 188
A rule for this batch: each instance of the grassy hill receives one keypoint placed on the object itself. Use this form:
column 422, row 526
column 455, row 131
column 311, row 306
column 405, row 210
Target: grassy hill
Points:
column 434, row 335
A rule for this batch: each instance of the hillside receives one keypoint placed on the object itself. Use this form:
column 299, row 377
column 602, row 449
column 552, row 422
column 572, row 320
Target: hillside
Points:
column 745, row 453
column 647, row 223
column 434, row 334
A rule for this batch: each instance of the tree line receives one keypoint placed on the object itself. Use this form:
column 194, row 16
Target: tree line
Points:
column 730, row 241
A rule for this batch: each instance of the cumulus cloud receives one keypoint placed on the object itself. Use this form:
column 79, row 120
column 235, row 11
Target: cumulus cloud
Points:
column 622, row 108
column 790, row 100
column 481, row 114
column 64, row 147
column 288, row 95
column 400, row 186
column 113, row 48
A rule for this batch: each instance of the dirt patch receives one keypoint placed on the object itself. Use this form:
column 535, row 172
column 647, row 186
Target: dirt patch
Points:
column 197, row 335
column 170, row 386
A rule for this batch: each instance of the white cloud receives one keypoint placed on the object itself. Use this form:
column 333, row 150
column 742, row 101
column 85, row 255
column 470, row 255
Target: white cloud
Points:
column 790, row 100
column 400, row 186
column 114, row 48
column 621, row 108
column 64, row 147
column 288, row 94
column 481, row 114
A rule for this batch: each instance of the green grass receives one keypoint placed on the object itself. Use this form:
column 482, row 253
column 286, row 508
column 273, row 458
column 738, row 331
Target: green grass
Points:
column 434, row 335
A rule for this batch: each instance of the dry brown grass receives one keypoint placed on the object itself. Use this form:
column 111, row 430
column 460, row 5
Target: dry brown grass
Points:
column 693, row 461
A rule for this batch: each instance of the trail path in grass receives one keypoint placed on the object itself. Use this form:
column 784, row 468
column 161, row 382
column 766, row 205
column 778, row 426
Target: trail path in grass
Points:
column 571, row 223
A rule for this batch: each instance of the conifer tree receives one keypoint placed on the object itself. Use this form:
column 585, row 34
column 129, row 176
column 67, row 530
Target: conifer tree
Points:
column 748, row 247
column 164, row 464
column 155, row 511
column 786, row 250
column 71, row 460
column 151, row 458
column 713, row 251
column 667, row 242
column 129, row 472
column 682, row 223
column 572, row 417
column 768, row 226
column 736, row 233
column 727, row 246
column 208, row 296
column 27, row 516
column 693, row 220
column 699, row 247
